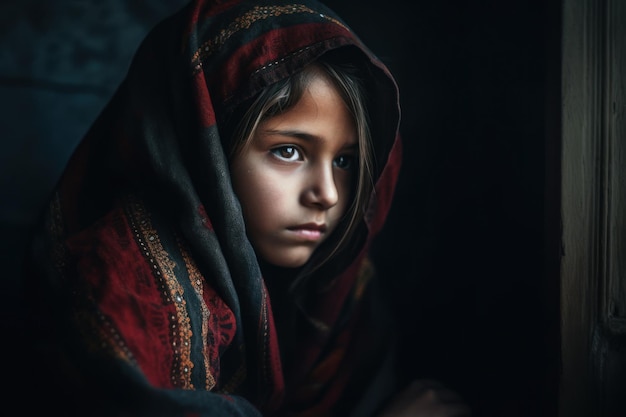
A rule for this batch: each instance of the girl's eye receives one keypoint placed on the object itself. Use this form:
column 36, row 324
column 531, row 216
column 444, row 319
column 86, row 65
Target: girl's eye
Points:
column 344, row 162
column 287, row 153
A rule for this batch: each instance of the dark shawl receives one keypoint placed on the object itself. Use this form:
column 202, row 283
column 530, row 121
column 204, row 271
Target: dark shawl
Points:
column 146, row 296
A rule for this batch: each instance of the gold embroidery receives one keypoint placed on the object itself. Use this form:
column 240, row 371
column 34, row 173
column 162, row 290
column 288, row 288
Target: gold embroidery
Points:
column 196, row 280
column 163, row 269
column 244, row 22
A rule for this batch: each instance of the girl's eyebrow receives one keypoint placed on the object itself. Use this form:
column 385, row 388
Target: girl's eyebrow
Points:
column 294, row 134
column 298, row 134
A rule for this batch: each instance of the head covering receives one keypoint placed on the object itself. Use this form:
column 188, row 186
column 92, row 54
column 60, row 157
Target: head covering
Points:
column 146, row 295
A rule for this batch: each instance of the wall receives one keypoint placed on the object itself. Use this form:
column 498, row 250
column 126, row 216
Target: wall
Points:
column 60, row 62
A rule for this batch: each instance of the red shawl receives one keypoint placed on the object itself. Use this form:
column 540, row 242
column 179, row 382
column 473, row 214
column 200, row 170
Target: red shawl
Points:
column 146, row 295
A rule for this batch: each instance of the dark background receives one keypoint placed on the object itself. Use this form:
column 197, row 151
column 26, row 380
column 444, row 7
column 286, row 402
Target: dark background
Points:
column 465, row 245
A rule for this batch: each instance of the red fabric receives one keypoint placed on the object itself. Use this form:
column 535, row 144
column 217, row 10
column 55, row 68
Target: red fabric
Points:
column 138, row 316
column 248, row 61
column 385, row 188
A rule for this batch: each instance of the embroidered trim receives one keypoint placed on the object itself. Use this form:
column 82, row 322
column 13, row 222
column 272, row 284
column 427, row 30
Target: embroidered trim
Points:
column 171, row 290
column 264, row 352
column 109, row 340
column 280, row 61
column 244, row 22
column 197, row 280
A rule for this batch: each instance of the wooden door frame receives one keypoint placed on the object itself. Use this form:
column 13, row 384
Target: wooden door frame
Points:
column 593, row 193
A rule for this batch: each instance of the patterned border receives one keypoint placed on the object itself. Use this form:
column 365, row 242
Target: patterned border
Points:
column 244, row 22
column 171, row 290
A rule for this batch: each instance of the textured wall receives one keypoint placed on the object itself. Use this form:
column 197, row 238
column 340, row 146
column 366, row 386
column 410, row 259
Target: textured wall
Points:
column 59, row 63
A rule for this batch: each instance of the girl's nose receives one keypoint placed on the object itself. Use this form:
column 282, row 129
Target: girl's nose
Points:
column 321, row 189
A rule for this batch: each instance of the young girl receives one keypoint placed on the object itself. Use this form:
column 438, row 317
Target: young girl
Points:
column 205, row 250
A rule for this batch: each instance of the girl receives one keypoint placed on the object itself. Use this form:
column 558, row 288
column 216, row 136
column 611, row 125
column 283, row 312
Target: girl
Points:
column 205, row 251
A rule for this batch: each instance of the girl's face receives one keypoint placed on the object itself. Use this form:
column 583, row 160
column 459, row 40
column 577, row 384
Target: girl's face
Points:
column 294, row 178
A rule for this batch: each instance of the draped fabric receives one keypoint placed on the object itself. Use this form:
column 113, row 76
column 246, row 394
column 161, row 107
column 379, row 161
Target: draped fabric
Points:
column 146, row 297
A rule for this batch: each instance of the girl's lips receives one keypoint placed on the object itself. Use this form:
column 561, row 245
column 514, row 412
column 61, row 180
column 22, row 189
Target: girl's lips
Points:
column 321, row 227
column 309, row 231
column 308, row 234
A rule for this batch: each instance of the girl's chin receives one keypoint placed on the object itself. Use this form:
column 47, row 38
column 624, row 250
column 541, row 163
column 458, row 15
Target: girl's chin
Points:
column 288, row 262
